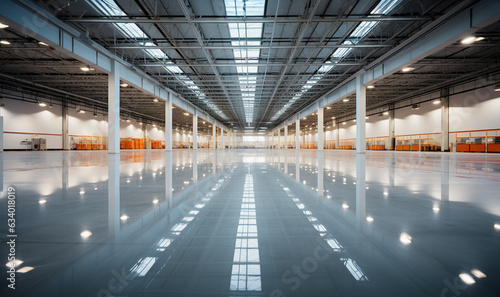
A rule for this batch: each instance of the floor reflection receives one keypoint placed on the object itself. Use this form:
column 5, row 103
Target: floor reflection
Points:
column 254, row 223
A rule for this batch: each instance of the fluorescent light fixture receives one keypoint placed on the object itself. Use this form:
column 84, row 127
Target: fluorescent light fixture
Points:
column 4, row 42
column 415, row 106
column 345, row 100
column 466, row 278
column 186, row 113
column 344, row 123
column 435, row 209
column 436, row 101
column 345, row 206
column 497, row 88
column 156, row 100
column 369, row 219
column 407, row 69
column 477, row 273
column 86, row 234
column 42, row 201
column 81, row 111
column 405, row 238
column 370, row 87
column 497, row 226
column 3, row 26
column 155, row 201
column 471, row 39
column 386, row 113
column 328, row 107
column 86, row 68
column 124, row 218
column 42, row 43
column 41, row 103
column 123, row 85
column 95, row 114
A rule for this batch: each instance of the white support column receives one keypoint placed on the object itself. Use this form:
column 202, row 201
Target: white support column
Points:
column 1, row 134
column 337, row 136
column 65, row 128
column 114, row 109
column 195, row 130
column 297, row 133
column 144, row 134
column 279, row 138
column 360, row 116
column 392, row 121
column 445, row 121
column 214, row 136
column 321, row 131
column 272, row 140
column 286, row 136
column 168, row 123
column 223, row 139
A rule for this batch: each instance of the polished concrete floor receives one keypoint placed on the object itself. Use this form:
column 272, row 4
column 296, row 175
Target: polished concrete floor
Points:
column 253, row 223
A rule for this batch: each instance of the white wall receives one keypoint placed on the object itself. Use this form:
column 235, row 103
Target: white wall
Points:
column 426, row 119
column 85, row 124
column 348, row 130
column 377, row 126
column 154, row 133
column 475, row 110
column 27, row 120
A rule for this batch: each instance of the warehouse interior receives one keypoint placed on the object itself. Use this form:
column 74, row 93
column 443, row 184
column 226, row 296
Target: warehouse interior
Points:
column 250, row 147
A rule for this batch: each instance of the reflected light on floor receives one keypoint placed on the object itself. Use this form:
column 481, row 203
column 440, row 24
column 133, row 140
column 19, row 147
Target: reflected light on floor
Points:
column 466, row 278
column 405, row 238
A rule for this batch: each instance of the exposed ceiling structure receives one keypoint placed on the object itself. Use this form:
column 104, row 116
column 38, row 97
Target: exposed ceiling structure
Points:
column 251, row 64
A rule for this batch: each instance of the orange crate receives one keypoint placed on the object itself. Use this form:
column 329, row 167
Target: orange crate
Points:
column 478, row 147
column 414, row 147
column 494, row 148
column 463, row 148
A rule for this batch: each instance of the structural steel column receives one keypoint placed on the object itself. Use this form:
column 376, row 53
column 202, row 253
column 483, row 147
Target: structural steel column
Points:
column 65, row 127
column 214, row 136
column 114, row 109
column 321, row 131
column 279, row 138
column 168, row 123
column 337, row 136
column 286, row 136
column 1, row 135
column 195, row 130
column 360, row 116
column 297, row 133
column 223, row 138
column 445, row 120
column 392, row 122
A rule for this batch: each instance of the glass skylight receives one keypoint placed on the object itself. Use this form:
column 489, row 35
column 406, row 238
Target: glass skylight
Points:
column 131, row 30
column 240, row 33
column 360, row 32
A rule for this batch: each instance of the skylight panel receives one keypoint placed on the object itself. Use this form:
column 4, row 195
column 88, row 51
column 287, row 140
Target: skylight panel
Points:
column 363, row 29
column 131, row 30
column 108, row 7
column 242, row 8
column 385, row 6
